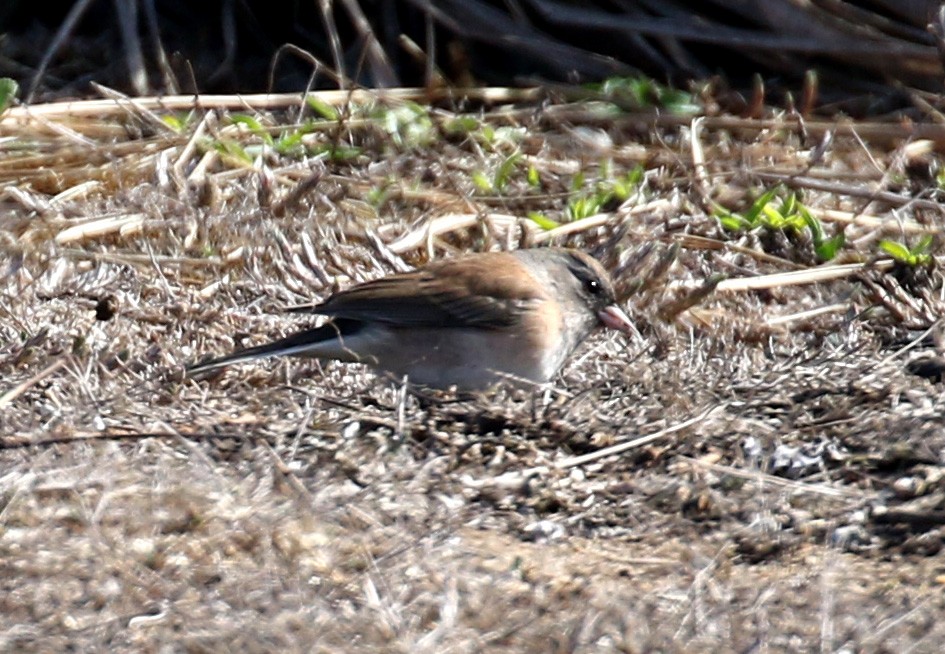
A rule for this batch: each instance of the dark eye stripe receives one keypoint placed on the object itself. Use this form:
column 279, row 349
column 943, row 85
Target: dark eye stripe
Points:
column 585, row 275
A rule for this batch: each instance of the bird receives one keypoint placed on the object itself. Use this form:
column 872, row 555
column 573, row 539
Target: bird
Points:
column 468, row 322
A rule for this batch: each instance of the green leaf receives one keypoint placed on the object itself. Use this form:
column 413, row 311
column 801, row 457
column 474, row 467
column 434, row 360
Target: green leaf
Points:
column 751, row 216
column 377, row 196
column 789, row 205
column 730, row 221
column 774, row 218
column 482, row 182
column 321, row 107
column 604, row 170
column 8, row 90
column 827, row 250
column 461, row 125
column 733, row 222
column 534, row 178
column 679, row 102
column 816, row 229
column 249, row 121
column 582, row 207
column 542, row 220
column 409, row 125
column 175, row 122
column 507, row 135
column 504, row 172
column 795, row 222
column 924, row 246
column 340, row 153
column 621, row 191
column 577, row 182
column 897, row 251
column 645, row 92
column 290, row 143
column 253, row 125
column 232, row 149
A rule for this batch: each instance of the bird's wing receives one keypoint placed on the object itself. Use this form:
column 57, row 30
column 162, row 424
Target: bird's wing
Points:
column 489, row 290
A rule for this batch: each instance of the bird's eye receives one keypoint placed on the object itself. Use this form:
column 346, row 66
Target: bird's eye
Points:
column 592, row 286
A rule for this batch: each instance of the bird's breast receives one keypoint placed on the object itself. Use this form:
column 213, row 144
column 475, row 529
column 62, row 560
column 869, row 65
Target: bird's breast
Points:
column 469, row 358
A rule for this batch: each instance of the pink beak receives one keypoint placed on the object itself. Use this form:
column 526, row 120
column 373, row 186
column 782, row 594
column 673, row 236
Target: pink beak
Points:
column 614, row 318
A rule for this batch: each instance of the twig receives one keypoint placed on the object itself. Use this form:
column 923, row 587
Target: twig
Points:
column 450, row 223
column 8, row 397
column 911, row 344
column 805, row 315
column 637, row 442
column 134, row 257
column 597, row 220
column 188, row 152
column 512, row 479
column 864, row 220
column 380, row 66
column 100, row 227
column 698, row 155
column 799, row 277
column 103, row 109
column 695, row 242
column 132, row 106
column 827, row 491
column 62, row 35
column 21, row 441
column 134, row 58
column 851, row 191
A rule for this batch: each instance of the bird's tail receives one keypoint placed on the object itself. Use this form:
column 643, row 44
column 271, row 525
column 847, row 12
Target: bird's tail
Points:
column 310, row 342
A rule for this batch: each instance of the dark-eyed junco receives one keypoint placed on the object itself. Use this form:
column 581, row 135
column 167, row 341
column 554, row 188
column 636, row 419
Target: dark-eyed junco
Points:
column 469, row 322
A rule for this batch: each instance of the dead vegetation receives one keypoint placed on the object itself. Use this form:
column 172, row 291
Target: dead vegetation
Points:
column 760, row 468
column 870, row 56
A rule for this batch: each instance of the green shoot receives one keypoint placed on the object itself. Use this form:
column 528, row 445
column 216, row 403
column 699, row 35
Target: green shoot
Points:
column 229, row 149
column 253, row 125
column 482, row 182
column 825, row 248
column 177, row 122
column 644, row 92
column 542, row 220
column 500, row 178
column 322, row 108
column 605, row 192
column 533, row 177
column 377, row 196
column 8, row 91
column 335, row 152
column 461, row 126
column 787, row 216
column 584, row 206
column 918, row 255
column 409, row 125
column 290, row 143
column 504, row 172
column 497, row 137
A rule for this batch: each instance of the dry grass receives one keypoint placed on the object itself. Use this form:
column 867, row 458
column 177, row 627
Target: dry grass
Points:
column 302, row 506
column 858, row 57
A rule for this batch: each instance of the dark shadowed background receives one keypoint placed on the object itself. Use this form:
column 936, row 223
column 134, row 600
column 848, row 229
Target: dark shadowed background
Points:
column 864, row 52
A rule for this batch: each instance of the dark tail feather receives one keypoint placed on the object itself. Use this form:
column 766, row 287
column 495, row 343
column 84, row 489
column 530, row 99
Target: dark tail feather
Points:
column 295, row 344
column 302, row 308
